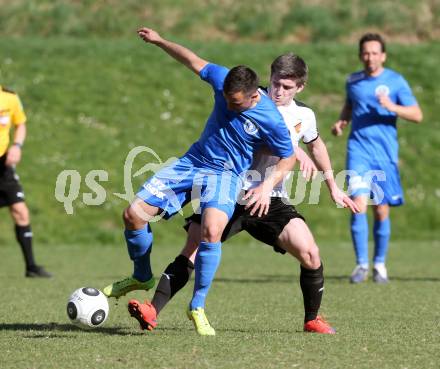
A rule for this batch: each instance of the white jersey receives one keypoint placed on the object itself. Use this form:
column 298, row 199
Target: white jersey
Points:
column 301, row 122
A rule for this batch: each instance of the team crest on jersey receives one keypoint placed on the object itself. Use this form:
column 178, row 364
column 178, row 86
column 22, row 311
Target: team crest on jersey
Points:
column 250, row 127
column 298, row 126
column 382, row 90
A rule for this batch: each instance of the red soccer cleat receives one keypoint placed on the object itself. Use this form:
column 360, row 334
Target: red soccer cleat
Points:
column 319, row 325
column 145, row 314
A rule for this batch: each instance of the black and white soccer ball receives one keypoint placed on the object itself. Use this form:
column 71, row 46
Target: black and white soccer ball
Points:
column 87, row 308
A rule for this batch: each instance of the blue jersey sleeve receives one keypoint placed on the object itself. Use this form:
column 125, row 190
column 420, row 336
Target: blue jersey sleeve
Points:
column 215, row 75
column 278, row 139
column 405, row 96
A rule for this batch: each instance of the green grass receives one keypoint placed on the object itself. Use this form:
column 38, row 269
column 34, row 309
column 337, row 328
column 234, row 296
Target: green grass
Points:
column 257, row 20
column 255, row 305
column 90, row 101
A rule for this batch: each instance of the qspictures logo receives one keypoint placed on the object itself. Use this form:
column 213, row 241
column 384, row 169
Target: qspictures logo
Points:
column 69, row 181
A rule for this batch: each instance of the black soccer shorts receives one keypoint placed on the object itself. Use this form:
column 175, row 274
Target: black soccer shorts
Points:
column 11, row 191
column 266, row 229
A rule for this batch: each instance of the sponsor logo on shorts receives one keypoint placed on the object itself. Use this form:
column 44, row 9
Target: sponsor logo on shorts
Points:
column 20, row 195
column 158, row 183
column 154, row 191
column 156, row 187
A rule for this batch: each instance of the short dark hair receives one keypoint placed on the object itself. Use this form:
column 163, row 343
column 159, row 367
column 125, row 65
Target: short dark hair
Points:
column 372, row 37
column 241, row 79
column 290, row 66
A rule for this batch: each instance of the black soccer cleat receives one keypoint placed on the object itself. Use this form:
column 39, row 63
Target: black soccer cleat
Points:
column 37, row 271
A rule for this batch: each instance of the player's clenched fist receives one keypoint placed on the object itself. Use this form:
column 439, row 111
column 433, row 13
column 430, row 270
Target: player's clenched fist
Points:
column 148, row 35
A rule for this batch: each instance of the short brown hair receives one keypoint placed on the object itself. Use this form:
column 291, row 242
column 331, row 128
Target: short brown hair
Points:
column 290, row 66
column 241, row 79
column 372, row 37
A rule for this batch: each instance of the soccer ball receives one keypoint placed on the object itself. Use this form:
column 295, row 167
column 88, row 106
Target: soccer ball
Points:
column 87, row 308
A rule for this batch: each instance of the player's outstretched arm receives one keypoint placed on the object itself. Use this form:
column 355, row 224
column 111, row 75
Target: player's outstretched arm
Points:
column 319, row 153
column 178, row 52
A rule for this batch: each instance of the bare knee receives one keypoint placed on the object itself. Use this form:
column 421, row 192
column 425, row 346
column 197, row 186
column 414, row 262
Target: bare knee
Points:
column 381, row 212
column 212, row 233
column 298, row 241
column 20, row 214
column 310, row 258
column 131, row 219
column 362, row 203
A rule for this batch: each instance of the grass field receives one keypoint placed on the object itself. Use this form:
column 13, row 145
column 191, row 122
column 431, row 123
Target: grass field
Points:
column 255, row 306
column 257, row 20
column 89, row 101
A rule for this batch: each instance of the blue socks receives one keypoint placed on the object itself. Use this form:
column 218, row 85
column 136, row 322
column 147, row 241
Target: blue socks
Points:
column 139, row 244
column 359, row 234
column 208, row 257
column 381, row 231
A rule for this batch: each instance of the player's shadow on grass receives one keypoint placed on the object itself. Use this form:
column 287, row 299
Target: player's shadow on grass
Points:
column 49, row 330
column 259, row 280
column 178, row 330
column 336, row 278
column 345, row 278
column 414, row 279
column 288, row 279
column 274, row 278
column 44, row 330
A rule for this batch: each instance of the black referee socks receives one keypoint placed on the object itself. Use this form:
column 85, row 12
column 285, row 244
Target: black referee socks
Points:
column 24, row 238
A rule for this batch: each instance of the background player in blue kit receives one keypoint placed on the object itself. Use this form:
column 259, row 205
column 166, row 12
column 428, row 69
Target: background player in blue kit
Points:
column 242, row 119
column 376, row 97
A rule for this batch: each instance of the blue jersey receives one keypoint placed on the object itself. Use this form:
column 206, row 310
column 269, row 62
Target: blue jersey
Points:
column 229, row 138
column 373, row 131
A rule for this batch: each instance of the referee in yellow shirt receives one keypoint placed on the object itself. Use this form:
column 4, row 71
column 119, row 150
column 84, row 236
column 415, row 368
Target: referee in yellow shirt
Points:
column 11, row 192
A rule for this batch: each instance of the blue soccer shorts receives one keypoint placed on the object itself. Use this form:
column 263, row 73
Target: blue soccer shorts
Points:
column 378, row 180
column 174, row 186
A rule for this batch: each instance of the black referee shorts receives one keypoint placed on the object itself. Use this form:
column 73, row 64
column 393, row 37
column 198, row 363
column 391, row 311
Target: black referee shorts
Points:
column 265, row 229
column 11, row 191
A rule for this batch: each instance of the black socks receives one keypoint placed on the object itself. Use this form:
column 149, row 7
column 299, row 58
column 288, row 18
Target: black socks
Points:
column 177, row 274
column 312, row 286
column 173, row 279
column 24, row 238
